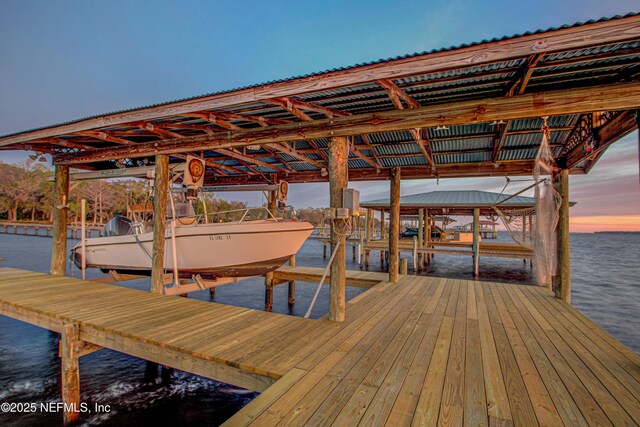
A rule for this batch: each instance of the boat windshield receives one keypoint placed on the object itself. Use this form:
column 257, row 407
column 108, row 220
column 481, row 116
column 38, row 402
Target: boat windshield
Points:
column 118, row 226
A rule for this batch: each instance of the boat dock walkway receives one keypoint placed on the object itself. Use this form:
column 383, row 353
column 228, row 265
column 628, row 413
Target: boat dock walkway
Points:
column 424, row 351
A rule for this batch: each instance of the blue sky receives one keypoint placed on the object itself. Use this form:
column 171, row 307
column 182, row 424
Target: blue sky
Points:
column 69, row 59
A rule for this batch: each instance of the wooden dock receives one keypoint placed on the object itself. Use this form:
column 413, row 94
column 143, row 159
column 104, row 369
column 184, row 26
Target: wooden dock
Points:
column 423, row 351
column 359, row 279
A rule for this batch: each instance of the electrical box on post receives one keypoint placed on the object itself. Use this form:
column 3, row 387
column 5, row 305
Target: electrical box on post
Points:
column 342, row 213
column 351, row 200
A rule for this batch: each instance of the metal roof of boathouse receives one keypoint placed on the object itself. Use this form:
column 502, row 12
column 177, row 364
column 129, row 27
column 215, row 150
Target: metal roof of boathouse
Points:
column 279, row 130
column 462, row 198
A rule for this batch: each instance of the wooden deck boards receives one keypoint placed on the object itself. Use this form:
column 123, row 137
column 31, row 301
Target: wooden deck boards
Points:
column 426, row 351
column 451, row 352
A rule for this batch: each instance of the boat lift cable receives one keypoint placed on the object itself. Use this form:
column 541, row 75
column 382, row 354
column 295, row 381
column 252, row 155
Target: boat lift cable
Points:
column 519, row 192
column 324, row 276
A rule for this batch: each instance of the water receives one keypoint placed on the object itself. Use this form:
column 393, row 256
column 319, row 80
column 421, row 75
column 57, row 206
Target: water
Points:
column 605, row 287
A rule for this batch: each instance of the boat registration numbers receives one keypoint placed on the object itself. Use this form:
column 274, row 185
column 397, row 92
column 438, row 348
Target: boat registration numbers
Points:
column 220, row 237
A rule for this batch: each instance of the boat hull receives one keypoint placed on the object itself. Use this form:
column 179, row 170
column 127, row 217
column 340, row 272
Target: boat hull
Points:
column 211, row 250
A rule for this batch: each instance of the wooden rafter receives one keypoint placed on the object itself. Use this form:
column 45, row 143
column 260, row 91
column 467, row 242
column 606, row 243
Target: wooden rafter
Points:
column 239, row 156
column 518, row 86
column 604, row 136
column 397, row 94
column 284, row 147
column 295, row 106
column 66, row 144
column 558, row 102
column 369, row 146
column 359, row 154
column 105, row 136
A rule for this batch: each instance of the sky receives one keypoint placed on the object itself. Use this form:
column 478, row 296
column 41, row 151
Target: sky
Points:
column 65, row 60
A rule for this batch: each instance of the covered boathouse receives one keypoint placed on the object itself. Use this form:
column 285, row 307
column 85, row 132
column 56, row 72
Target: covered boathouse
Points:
column 411, row 350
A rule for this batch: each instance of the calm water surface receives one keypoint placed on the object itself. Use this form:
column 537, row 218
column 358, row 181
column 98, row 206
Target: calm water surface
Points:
column 605, row 284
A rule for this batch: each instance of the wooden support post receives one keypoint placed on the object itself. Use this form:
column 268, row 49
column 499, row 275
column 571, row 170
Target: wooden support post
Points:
column 268, row 291
column 420, row 236
column 292, row 284
column 324, row 249
column 83, row 215
column 367, row 258
column 70, row 381
column 368, row 225
column 394, row 225
column 427, row 235
column 353, row 249
column 404, row 268
column 476, row 242
column 524, row 234
column 563, row 274
column 212, row 292
column 415, row 255
column 272, row 202
column 60, row 210
column 159, row 222
column 338, row 179
column 381, row 224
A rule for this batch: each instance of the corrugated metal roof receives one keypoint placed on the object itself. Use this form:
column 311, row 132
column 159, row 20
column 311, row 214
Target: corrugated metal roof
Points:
column 462, row 158
column 394, row 149
column 461, row 144
column 472, row 198
column 390, row 162
column 379, row 61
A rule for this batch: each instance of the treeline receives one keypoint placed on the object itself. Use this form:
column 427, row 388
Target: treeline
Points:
column 26, row 194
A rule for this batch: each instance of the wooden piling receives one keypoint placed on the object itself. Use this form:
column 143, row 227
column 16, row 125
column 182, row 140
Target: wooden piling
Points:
column 563, row 275
column 292, row 284
column 338, row 179
column 476, row 242
column 404, row 266
column 420, row 236
column 268, row 291
column 394, row 225
column 60, row 210
column 70, row 381
column 159, row 222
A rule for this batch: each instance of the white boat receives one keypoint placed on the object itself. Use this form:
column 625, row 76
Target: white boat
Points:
column 255, row 244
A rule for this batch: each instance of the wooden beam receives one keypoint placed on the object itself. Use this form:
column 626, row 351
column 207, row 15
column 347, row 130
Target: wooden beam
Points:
column 396, row 94
column 568, row 101
column 338, row 179
column 394, row 224
column 284, row 147
column 517, row 87
column 60, row 212
column 105, row 136
column 161, row 188
column 295, row 106
column 620, row 126
column 359, row 154
column 423, row 143
column 288, row 105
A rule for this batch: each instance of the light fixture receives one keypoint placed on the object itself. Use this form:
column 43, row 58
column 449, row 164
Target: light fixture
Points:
column 323, row 172
column 442, row 127
column 253, row 147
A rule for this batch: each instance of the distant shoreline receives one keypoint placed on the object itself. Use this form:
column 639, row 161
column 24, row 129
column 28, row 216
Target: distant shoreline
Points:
column 617, row 232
